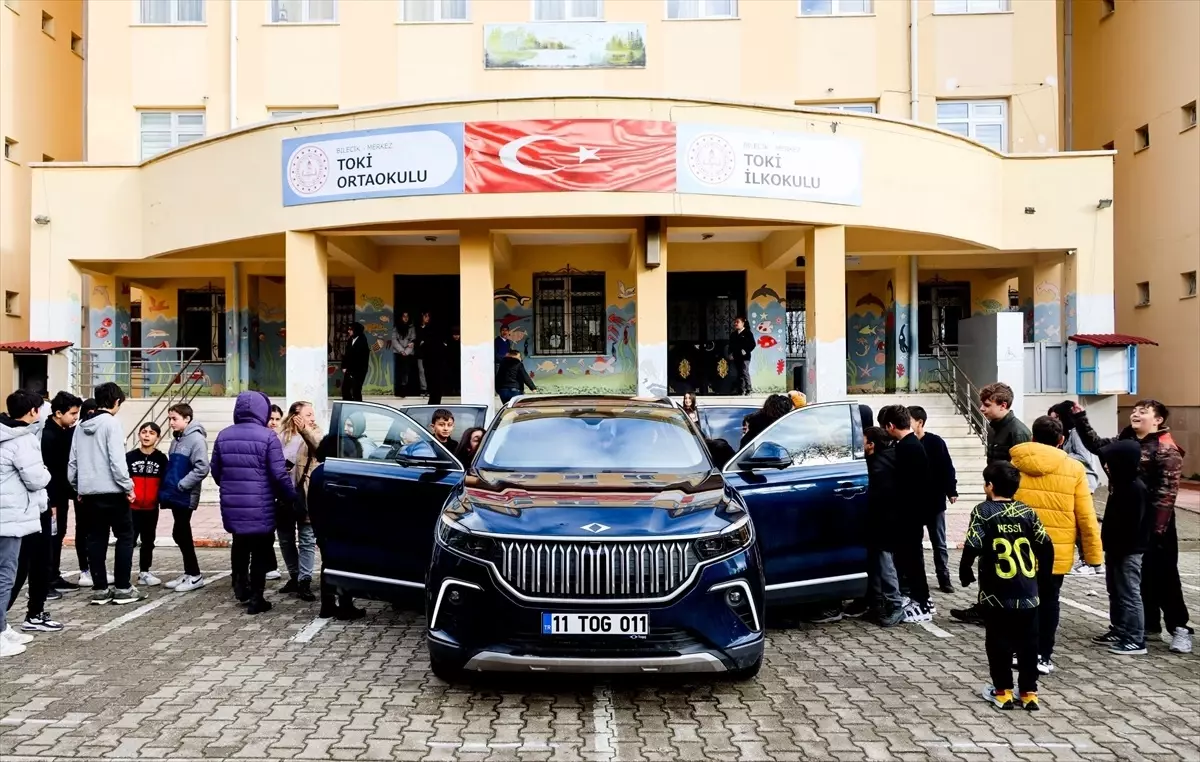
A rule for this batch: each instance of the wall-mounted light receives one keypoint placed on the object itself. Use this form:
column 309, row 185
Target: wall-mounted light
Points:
column 706, row 236
column 430, row 239
column 1030, row 210
column 42, row 219
column 1104, row 203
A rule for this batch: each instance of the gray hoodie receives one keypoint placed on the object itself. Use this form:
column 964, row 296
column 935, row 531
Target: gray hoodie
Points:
column 1073, row 446
column 23, row 478
column 97, row 464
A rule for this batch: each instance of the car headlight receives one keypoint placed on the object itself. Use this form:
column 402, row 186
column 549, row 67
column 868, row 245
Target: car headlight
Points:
column 456, row 537
column 737, row 537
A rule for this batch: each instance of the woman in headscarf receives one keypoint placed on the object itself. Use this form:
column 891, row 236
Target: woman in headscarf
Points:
column 404, row 345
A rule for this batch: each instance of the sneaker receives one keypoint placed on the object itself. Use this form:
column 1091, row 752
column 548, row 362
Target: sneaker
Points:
column 1098, row 570
column 1110, row 638
column 972, row 615
column 101, row 597
column 1081, row 569
column 931, row 607
column 13, row 636
column 53, row 595
column 1182, row 642
column 41, row 623
column 999, row 699
column 892, row 618
column 827, row 616
column 274, row 574
column 1029, row 702
column 291, row 586
column 64, row 584
column 1128, row 649
column 11, row 647
column 112, row 540
column 190, row 583
column 915, row 612
column 1016, row 662
column 1045, row 666
column 176, row 582
column 857, row 609
column 148, row 579
column 128, row 595
column 85, row 579
column 946, row 588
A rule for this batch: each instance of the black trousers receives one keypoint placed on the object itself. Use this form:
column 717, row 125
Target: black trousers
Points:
column 909, row 557
column 743, row 377
column 32, row 564
column 181, row 533
column 1162, row 593
column 251, row 558
column 1049, row 587
column 145, row 527
column 351, row 388
column 1009, row 631
column 110, row 513
column 56, row 545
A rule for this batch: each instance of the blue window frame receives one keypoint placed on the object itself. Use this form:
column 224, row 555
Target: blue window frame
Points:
column 1087, row 369
column 1131, row 357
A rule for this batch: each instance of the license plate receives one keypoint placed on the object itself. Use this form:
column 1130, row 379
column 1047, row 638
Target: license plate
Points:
column 595, row 624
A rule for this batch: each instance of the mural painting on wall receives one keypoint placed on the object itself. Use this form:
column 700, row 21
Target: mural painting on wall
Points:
column 896, row 338
column 866, row 345
column 768, row 322
column 1047, row 312
column 268, row 340
column 377, row 318
column 612, row 373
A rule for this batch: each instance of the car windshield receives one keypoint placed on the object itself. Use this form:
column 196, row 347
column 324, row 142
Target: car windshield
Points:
column 585, row 439
column 724, row 423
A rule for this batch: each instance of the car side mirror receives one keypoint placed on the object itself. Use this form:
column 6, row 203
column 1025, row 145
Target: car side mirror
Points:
column 767, row 455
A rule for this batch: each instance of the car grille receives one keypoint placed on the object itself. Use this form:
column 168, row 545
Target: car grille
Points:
column 596, row 570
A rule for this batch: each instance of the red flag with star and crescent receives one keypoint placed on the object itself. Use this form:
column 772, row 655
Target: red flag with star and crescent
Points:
column 570, row 155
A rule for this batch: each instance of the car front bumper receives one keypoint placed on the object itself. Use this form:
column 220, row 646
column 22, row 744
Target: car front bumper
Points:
column 477, row 624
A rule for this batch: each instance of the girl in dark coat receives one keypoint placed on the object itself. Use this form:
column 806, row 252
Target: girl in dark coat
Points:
column 355, row 363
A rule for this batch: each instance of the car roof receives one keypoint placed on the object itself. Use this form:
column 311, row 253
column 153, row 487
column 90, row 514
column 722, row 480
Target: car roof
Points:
column 589, row 400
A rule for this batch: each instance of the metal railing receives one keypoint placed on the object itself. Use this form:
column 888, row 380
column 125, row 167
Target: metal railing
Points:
column 166, row 375
column 962, row 392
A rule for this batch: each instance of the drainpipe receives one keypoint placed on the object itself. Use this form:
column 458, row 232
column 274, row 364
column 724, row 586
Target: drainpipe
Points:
column 86, row 39
column 914, row 101
column 914, row 370
column 1068, row 71
column 233, row 64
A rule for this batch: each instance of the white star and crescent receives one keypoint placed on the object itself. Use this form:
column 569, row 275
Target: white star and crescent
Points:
column 512, row 162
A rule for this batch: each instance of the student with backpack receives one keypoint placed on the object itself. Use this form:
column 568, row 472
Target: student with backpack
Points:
column 187, row 465
column 147, row 464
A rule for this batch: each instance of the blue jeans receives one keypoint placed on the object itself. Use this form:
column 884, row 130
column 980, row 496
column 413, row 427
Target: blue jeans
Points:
column 1123, row 575
column 299, row 558
column 507, row 394
column 883, row 589
column 10, row 551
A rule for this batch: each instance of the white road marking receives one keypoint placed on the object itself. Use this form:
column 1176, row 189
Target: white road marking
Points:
column 310, row 630
column 934, row 629
column 602, row 721
column 1083, row 607
column 144, row 609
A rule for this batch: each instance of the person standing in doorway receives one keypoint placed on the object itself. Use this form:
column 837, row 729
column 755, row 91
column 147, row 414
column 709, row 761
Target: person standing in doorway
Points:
column 100, row 475
column 425, row 338
column 741, row 346
column 355, row 363
column 56, row 451
column 404, row 344
column 944, row 487
column 433, row 361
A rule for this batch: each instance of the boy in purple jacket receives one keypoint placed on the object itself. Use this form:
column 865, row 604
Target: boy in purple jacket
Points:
column 248, row 466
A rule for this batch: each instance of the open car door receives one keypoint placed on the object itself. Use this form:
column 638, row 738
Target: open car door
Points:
column 376, row 499
column 804, row 480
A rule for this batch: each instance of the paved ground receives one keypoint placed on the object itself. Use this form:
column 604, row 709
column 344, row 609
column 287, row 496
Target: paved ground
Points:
column 191, row 677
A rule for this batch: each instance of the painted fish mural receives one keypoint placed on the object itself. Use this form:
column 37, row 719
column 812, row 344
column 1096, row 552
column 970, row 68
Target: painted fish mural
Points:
column 766, row 291
column 508, row 293
column 870, row 300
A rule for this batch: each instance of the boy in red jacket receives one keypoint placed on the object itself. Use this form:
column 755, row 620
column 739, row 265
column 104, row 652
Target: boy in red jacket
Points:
column 147, row 464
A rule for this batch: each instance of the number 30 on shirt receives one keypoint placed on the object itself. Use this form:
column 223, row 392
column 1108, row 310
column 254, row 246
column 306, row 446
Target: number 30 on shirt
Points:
column 1012, row 557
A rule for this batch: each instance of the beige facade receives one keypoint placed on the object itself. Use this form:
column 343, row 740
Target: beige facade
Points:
column 1137, row 76
column 41, row 119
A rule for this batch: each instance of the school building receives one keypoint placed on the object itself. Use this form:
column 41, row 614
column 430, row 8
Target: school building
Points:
column 613, row 181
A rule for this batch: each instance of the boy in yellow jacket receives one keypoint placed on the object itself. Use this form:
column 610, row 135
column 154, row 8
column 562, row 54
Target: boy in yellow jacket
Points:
column 1055, row 485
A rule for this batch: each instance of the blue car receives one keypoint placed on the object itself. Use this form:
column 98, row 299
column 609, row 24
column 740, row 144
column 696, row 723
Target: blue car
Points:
column 594, row 534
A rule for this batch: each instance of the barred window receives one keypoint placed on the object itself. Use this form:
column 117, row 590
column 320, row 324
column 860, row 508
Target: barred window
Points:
column 568, row 313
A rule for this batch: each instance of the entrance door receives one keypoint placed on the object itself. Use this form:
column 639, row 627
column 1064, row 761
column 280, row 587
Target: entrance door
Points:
column 940, row 307
column 439, row 296
column 700, row 312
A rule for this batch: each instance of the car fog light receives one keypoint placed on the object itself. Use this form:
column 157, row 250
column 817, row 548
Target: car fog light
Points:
column 734, row 597
column 455, row 596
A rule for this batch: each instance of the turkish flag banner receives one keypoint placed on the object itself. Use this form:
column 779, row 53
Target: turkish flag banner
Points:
column 569, row 155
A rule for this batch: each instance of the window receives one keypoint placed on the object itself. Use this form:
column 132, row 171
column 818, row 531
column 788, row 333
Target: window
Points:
column 303, row 11
column 164, row 130
column 202, row 323
column 76, row 44
column 970, row 6
column 701, row 9
column 1141, row 138
column 854, row 108
column 1189, row 284
column 47, row 23
column 1189, row 115
column 10, row 149
column 568, row 10
column 834, row 7
column 289, row 113
column 416, row 11
column 12, row 302
column 171, row 11
column 1143, row 294
column 369, row 432
column 568, row 311
column 985, row 121
column 813, row 436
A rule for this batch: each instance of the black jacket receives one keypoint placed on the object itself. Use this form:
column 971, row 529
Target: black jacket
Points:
column 883, row 502
column 741, row 345
column 1005, row 434
column 942, row 467
column 56, row 451
column 1129, row 514
column 357, row 359
column 913, row 480
column 512, row 375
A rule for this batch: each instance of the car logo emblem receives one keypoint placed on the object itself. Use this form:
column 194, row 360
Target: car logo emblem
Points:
column 594, row 528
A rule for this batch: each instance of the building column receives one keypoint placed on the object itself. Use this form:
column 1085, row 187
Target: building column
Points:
column 901, row 345
column 825, row 312
column 306, row 285
column 1040, row 287
column 650, row 265
column 766, row 293
column 476, row 284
